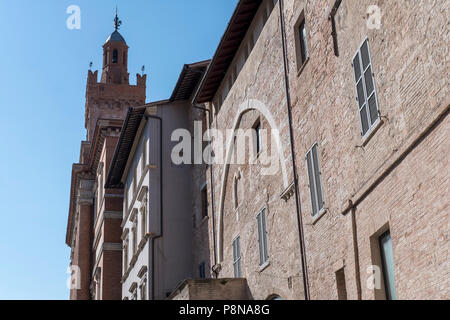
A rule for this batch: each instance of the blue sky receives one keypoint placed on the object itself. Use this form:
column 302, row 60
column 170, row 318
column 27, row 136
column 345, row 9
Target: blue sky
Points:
column 42, row 90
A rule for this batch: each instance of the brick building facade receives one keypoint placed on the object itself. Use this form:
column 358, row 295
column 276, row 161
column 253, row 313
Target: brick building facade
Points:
column 369, row 113
column 354, row 99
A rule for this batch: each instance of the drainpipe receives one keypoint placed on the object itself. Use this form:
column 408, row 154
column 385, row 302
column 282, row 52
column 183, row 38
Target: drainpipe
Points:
column 356, row 251
column 294, row 167
column 161, row 199
column 216, row 275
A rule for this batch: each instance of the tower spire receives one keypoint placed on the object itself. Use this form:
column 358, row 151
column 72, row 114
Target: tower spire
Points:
column 117, row 22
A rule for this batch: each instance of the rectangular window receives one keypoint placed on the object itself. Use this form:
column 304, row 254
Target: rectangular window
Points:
column 95, row 207
column 340, row 284
column 101, row 185
column 387, row 259
column 143, row 288
column 125, row 256
column 144, row 219
column 135, row 237
column 204, row 202
column 365, row 89
column 262, row 238
column 301, row 41
column 237, row 257
column 315, row 181
column 258, row 141
column 144, row 155
column 202, row 270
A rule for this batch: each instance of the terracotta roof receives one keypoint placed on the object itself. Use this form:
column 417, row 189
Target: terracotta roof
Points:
column 228, row 46
column 123, row 148
column 188, row 80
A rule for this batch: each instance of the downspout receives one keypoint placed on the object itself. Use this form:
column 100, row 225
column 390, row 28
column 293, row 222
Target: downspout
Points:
column 356, row 252
column 160, row 199
column 353, row 204
column 294, row 167
column 216, row 275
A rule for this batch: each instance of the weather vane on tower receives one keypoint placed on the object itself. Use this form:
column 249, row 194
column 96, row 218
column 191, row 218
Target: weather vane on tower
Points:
column 117, row 22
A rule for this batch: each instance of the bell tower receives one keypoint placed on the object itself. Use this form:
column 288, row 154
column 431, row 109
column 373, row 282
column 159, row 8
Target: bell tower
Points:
column 110, row 98
column 115, row 57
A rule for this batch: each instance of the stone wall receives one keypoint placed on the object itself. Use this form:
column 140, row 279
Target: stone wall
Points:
column 397, row 179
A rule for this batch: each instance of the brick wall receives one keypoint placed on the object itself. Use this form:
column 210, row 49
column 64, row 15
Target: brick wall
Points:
column 409, row 57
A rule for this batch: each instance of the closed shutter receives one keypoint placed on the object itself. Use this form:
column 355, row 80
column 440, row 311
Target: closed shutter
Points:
column 365, row 89
column 264, row 235
column 315, row 181
column 260, row 240
column 237, row 258
column 262, row 232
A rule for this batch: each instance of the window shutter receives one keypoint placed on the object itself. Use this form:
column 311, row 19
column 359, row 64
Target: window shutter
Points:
column 260, row 239
column 315, row 181
column 312, row 183
column 264, row 235
column 365, row 88
column 315, row 155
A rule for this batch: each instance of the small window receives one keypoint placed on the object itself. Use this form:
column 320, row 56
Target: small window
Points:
column 125, row 256
column 262, row 238
column 144, row 218
column 301, row 41
column 387, row 258
column 340, row 284
column 101, row 186
column 258, row 138
column 115, row 56
column 204, row 202
column 365, row 89
column 143, row 289
column 237, row 258
column 135, row 236
column 235, row 192
column 202, row 270
column 315, row 181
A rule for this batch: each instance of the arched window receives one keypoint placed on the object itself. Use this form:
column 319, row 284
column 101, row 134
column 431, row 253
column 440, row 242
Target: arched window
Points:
column 115, row 56
column 274, row 297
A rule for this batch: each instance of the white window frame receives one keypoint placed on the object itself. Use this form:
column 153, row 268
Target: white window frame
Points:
column 144, row 218
column 143, row 288
column 315, row 199
column 262, row 238
column 237, row 257
column 371, row 126
column 126, row 254
column 135, row 236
